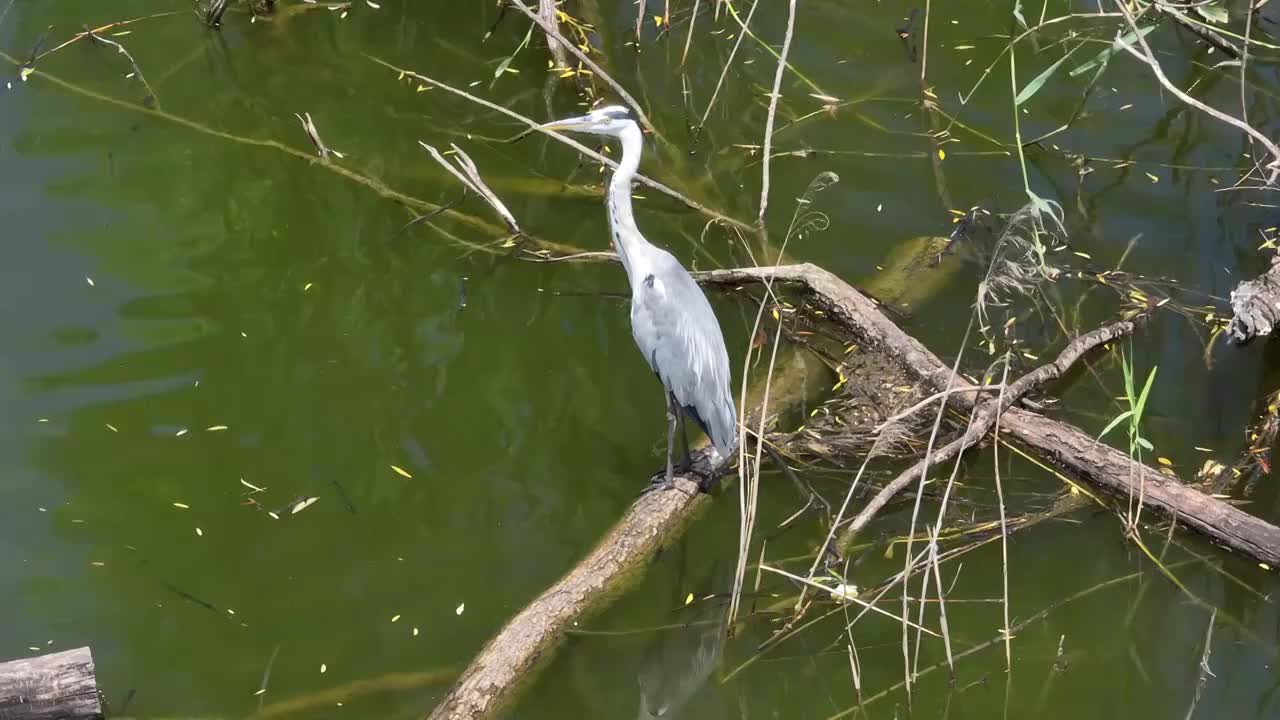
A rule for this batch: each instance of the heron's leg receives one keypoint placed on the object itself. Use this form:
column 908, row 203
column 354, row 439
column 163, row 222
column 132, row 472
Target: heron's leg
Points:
column 665, row 480
column 673, row 419
column 686, row 463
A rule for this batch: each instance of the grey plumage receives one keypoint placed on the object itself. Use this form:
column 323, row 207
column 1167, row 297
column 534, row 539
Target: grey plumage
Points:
column 671, row 320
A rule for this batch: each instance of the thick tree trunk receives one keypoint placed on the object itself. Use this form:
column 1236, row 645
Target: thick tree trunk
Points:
column 60, row 686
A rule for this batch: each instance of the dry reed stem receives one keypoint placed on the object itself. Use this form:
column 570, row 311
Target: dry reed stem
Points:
column 773, row 111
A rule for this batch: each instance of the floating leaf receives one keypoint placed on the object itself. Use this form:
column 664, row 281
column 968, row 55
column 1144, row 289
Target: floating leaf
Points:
column 461, row 607
column 689, row 599
column 401, row 471
column 1214, row 13
column 182, row 506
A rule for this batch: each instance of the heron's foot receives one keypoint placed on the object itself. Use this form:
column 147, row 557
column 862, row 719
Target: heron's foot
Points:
column 661, row 482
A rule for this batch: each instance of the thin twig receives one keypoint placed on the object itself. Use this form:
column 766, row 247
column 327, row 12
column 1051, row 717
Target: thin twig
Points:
column 566, row 140
column 554, row 32
column 693, row 21
column 1004, row 527
column 1150, row 61
column 929, row 400
column 727, row 64
column 773, row 110
column 469, row 176
column 151, row 97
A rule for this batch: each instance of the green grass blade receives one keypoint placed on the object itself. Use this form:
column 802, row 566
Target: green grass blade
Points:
column 1038, row 82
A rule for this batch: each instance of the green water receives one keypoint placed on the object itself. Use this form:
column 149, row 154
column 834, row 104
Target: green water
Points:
column 169, row 273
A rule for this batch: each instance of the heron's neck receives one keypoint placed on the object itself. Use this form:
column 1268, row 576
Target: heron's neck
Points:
column 626, row 236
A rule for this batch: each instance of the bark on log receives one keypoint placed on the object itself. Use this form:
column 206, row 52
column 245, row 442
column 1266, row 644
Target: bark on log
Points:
column 1255, row 306
column 511, row 658
column 1065, row 446
column 60, row 686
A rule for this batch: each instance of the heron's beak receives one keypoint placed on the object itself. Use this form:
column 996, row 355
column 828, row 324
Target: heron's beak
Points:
column 573, row 123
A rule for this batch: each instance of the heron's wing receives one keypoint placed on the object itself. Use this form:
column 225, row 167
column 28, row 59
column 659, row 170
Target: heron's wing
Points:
column 678, row 333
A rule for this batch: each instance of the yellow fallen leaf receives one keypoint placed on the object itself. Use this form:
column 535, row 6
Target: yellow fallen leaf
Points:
column 689, row 599
column 461, row 607
column 215, row 428
column 395, row 618
column 1165, row 461
column 942, row 154
column 402, row 471
column 182, row 506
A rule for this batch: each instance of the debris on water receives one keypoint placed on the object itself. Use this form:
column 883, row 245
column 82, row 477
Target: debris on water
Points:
column 461, row 608
column 182, row 506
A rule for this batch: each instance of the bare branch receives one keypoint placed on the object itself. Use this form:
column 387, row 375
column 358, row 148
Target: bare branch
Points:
column 645, row 180
column 773, row 110
column 553, row 32
column 469, row 175
column 1147, row 57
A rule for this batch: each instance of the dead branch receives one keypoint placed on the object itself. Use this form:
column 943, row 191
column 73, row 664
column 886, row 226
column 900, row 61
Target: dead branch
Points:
column 553, row 32
column 511, row 658
column 984, row 419
column 1061, row 444
column 469, row 175
column 1255, row 306
column 547, row 10
column 640, row 178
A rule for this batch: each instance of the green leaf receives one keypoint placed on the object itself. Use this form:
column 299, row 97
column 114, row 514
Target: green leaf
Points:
column 1145, row 445
column 1034, row 86
column 1116, row 421
column 1142, row 399
column 1104, row 57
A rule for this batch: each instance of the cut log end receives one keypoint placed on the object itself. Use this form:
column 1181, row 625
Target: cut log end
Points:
column 1255, row 306
column 58, row 686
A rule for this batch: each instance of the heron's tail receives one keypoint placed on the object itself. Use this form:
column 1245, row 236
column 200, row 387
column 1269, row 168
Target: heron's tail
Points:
column 719, row 422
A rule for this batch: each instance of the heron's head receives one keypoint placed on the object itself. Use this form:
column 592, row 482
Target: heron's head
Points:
column 611, row 120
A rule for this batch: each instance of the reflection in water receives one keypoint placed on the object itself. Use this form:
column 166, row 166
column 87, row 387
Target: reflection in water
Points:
column 680, row 659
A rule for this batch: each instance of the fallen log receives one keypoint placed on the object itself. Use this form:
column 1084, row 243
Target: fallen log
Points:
column 58, row 686
column 1065, row 446
column 1255, row 306
column 509, row 661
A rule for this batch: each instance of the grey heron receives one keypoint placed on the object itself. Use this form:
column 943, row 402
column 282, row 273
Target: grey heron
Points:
column 671, row 320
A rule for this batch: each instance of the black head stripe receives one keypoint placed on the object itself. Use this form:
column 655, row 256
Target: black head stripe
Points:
column 617, row 113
